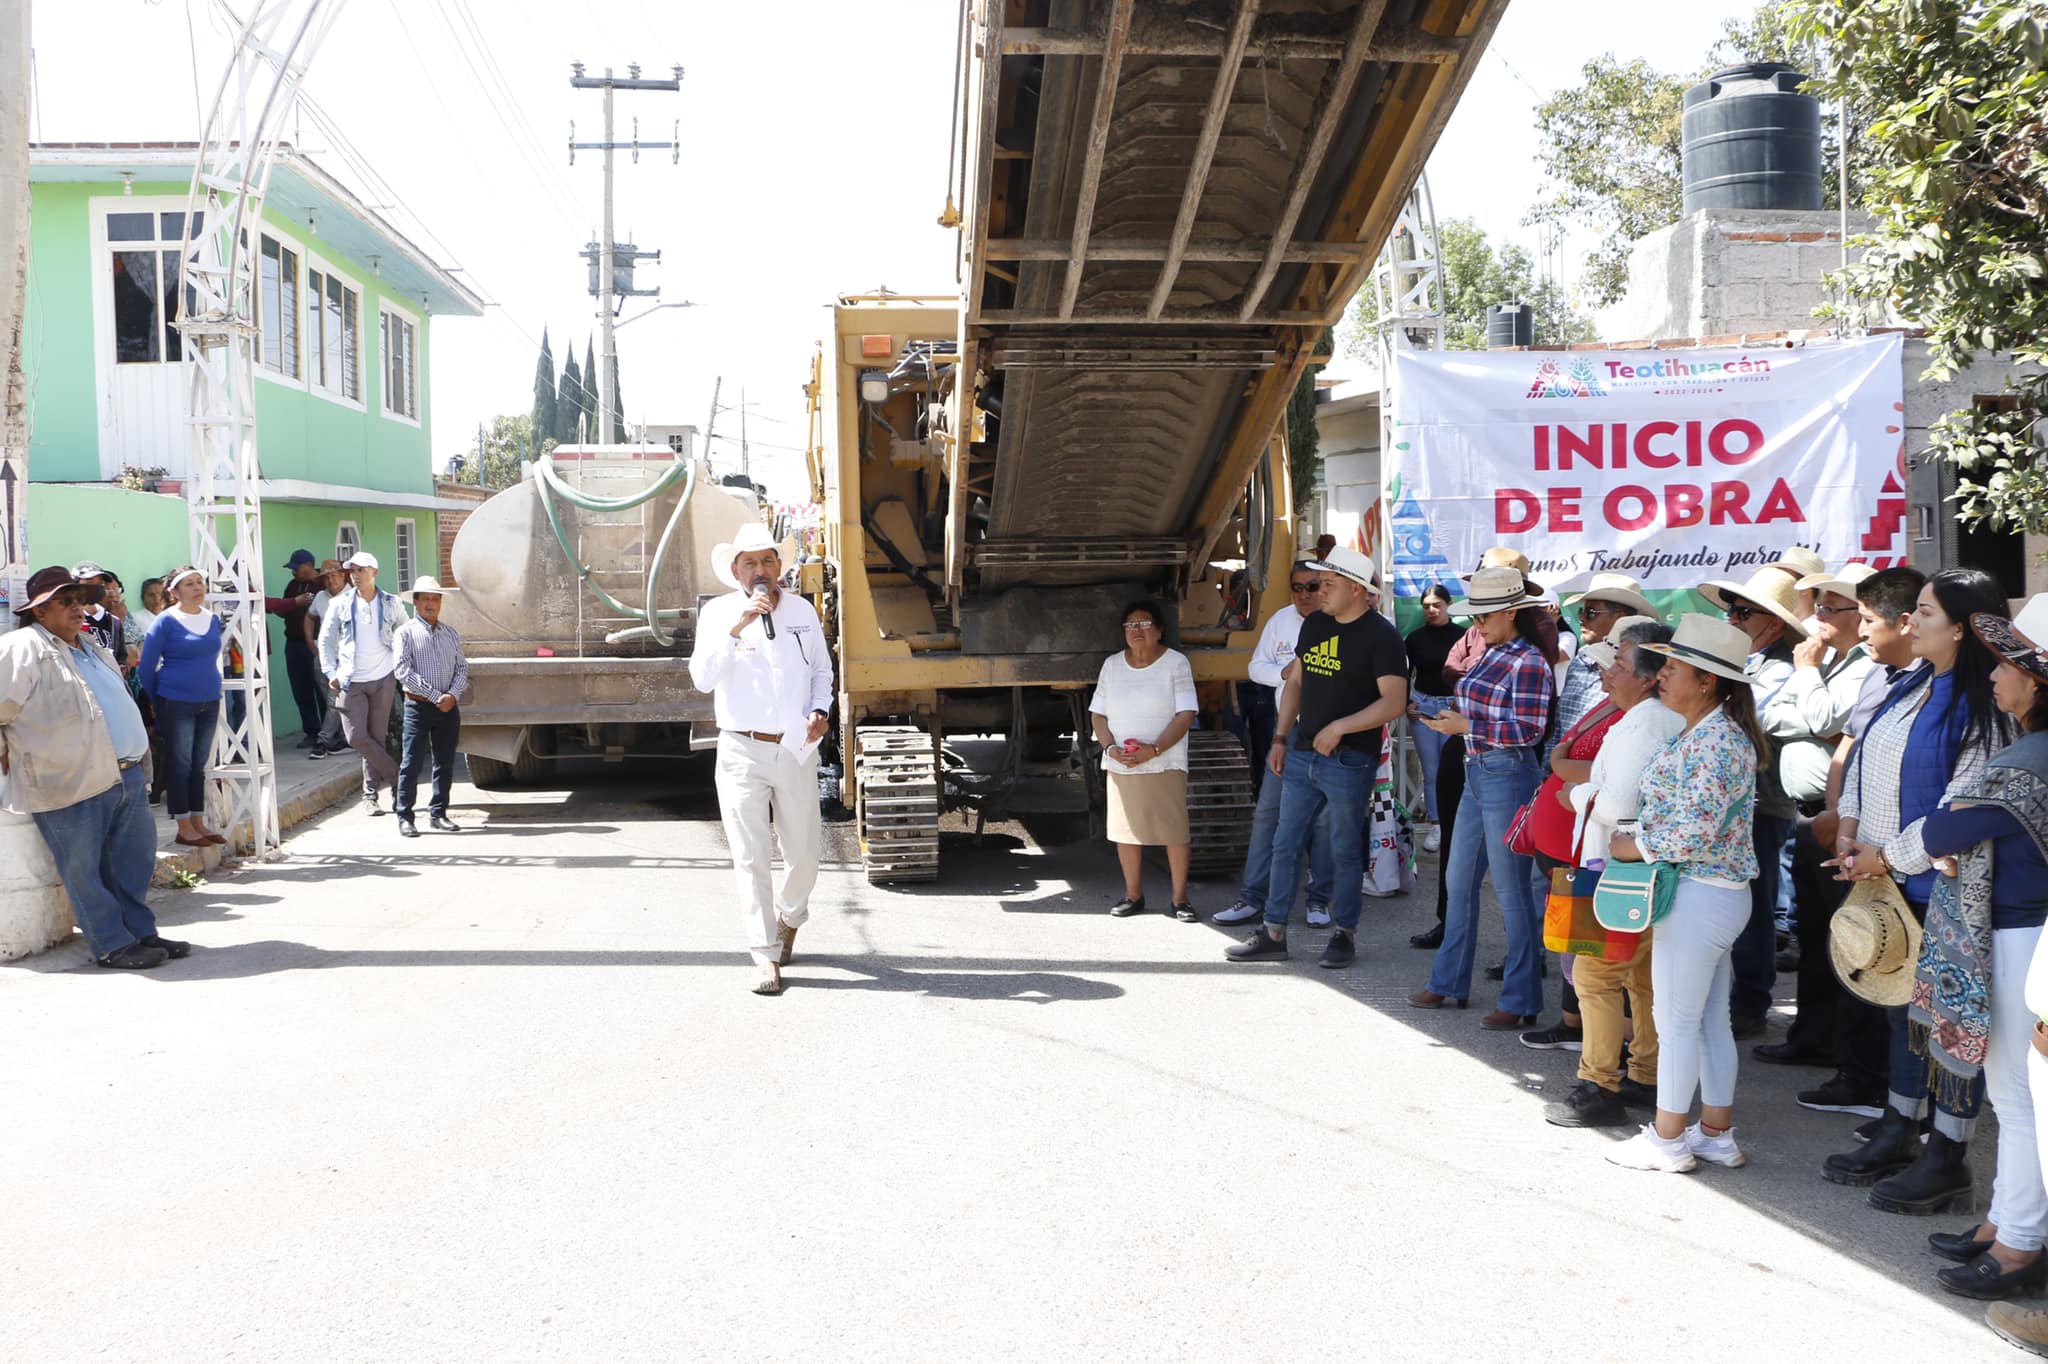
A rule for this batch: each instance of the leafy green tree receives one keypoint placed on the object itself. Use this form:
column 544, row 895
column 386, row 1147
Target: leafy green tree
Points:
column 569, row 404
column 1952, row 96
column 1475, row 276
column 541, row 421
column 508, row 443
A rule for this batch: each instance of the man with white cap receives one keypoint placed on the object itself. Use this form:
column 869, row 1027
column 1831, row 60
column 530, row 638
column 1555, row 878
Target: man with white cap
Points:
column 433, row 673
column 1347, row 683
column 359, row 658
column 761, row 653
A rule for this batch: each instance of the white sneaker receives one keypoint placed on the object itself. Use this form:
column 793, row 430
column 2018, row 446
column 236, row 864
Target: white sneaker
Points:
column 1318, row 916
column 1239, row 913
column 1432, row 838
column 1720, row 1150
column 1648, row 1151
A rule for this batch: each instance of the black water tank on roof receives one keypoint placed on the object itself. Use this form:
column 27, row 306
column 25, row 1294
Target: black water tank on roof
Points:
column 1751, row 140
column 1510, row 324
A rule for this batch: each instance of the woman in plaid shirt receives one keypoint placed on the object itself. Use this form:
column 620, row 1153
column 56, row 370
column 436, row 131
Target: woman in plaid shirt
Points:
column 1502, row 709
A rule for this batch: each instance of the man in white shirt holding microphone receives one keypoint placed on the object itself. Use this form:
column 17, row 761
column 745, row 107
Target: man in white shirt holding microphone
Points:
column 761, row 653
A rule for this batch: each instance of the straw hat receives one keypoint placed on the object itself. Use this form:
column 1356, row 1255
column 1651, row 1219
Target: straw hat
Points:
column 429, row 585
column 1618, row 588
column 1712, row 646
column 1768, row 588
column 750, row 537
column 1500, row 556
column 1349, row 563
column 1604, row 652
column 2017, row 641
column 1842, row 583
column 1875, row 943
column 1800, row 563
column 1494, row 589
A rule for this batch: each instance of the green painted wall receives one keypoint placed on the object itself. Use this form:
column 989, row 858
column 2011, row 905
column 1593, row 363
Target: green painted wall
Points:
column 142, row 535
column 63, row 413
column 302, row 434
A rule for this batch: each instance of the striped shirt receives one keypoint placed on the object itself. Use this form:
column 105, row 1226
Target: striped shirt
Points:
column 1506, row 697
column 430, row 661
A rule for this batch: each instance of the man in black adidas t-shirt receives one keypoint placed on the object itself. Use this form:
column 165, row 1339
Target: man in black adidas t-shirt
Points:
column 1348, row 682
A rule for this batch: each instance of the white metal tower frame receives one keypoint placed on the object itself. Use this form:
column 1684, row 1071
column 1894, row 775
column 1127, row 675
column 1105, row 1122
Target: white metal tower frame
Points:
column 1407, row 285
column 218, row 323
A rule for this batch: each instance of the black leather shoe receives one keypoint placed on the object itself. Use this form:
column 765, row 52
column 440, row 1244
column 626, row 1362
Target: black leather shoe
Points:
column 1340, row 950
column 1587, row 1105
column 406, row 828
column 1260, row 946
column 136, row 956
column 1960, row 1246
column 1429, row 940
column 1891, row 1148
column 1746, row 1026
column 1636, row 1094
column 1126, row 907
column 1985, row 1279
column 1938, row 1181
column 171, row 946
column 1499, row 972
column 1785, row 1054
column 444, row 824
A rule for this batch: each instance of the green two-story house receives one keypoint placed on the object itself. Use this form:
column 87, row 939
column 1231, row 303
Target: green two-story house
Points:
column 345, row 311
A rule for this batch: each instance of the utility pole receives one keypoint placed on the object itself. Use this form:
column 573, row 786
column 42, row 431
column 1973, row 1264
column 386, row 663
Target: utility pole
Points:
column 607, row 253
column 14, row 106
column 746, row 465
column 711, row 422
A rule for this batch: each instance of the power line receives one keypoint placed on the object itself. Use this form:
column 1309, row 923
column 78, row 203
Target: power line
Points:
column 504, row 99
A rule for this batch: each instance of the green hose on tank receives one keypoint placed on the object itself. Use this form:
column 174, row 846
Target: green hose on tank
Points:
column 552, row 486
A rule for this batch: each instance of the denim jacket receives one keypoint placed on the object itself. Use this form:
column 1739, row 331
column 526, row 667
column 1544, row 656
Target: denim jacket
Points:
column 59, row 751
column 338, row 633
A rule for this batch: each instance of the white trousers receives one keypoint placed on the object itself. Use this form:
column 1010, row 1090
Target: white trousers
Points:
column 2016, row 1083
column 1690, row 974
column 753, row 778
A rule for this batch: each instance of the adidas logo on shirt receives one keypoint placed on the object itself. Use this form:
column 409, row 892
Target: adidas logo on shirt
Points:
column 1321, row 659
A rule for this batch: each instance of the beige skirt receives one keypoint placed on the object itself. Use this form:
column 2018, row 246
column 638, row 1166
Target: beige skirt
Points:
column 1149, row 809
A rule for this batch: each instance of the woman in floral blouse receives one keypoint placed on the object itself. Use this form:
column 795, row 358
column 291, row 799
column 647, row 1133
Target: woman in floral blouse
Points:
column 1699, row 796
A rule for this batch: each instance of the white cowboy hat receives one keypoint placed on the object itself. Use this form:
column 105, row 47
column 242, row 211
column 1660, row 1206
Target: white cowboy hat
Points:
column 1843, row 583
column 429, row 585
column 750, row 537
column 1349, row 563
column 1618, row 588
column 1494, row 589
column 1604, row 652
column 1768, row 588
column 1875, row 943
column 1712, row 646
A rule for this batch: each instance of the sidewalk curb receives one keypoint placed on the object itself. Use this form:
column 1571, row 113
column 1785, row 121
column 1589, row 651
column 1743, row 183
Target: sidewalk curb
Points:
column 173, row 861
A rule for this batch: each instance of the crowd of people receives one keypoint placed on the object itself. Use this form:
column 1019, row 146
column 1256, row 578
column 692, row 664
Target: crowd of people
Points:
column 1842, row 775
column 107, row 709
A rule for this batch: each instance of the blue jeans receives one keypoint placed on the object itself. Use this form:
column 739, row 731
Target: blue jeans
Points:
column 427, row 727
column 185, row 728
column 1497, row 783
column 1756, row 951
column 1429, row 747
column 1330, row 795
column 1258, row 859
column 105, row 849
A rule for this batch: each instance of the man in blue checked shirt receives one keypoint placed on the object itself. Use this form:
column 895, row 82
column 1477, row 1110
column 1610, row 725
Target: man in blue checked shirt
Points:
column 433, row 674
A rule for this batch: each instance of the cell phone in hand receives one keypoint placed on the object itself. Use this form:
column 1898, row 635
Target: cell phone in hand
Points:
column 1431, row 706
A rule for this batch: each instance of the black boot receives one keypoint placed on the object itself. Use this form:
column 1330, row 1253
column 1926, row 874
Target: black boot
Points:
column 1890, row 1149
column 1939, row 1181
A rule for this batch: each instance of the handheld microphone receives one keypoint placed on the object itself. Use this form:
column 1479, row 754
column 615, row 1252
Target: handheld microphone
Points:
column 768, row 621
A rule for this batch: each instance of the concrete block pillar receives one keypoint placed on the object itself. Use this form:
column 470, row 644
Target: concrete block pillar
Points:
column 34, row 911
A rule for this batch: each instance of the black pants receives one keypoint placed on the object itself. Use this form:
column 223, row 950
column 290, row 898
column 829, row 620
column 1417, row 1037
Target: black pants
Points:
column 427, row 727
column 307, row 693
column 1830, row 1019
column 1450, row 789
column 1260, row 716
column 1755, row 958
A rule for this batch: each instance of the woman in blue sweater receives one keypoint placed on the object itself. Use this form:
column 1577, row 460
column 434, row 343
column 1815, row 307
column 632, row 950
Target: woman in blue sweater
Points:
column 181, row 672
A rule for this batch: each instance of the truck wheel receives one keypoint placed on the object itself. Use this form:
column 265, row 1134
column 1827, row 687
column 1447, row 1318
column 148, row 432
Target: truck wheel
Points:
column 488, row 774
column 897, row 788
column 1219, row 803
column 530, row 768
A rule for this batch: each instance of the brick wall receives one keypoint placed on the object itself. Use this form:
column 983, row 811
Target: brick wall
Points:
column 451, row 521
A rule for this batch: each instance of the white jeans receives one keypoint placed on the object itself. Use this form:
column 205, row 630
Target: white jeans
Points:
column 1690, row 975
column 2015, row 1081
column 753, row 777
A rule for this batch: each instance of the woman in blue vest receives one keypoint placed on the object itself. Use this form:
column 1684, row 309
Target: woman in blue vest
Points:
column 180, row 670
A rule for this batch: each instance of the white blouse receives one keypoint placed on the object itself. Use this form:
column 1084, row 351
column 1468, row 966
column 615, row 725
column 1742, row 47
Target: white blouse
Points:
column 1613, row 792
column 1139, row 703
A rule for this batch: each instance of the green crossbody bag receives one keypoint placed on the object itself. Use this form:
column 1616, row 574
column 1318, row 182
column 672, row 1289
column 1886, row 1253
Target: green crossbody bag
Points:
column 1631, row 896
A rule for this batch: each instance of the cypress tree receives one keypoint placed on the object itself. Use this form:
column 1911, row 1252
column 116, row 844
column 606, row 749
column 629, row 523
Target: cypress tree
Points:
column 597, row 437
column 543, row 424
column 569, row 404
column 618, row 405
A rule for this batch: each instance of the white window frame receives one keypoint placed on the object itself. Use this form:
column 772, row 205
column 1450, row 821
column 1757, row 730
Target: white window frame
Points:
column 386, row 308
column 103, row 249
column 312, row 265
column 285, row 241
column 348, row 538
column 404, row 547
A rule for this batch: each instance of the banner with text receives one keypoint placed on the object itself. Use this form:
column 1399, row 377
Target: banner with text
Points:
column 1674, row 467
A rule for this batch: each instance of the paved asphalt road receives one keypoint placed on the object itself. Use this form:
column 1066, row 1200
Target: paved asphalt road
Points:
column 504, row 1096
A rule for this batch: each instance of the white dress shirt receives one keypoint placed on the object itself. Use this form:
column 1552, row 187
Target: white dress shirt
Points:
column 1275, row 649
column 762, row 685
column 1613, row 791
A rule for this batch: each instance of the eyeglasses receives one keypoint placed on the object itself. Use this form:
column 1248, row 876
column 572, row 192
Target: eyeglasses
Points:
column 1832, row 611
column 68, row 599
column 1139, row 625
column 1597, row 608
column 1304, row 587
column 1739, row 614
